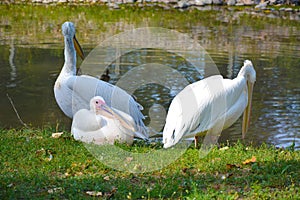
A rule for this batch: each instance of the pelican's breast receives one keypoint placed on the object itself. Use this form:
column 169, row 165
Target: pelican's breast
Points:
column 86, row 120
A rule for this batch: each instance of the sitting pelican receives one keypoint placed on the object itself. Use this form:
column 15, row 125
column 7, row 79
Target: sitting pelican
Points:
column 198, row 109
column 73, row 93
column 102, row 124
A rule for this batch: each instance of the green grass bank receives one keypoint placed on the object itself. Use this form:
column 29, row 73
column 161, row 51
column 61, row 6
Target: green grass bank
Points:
column 34, row 165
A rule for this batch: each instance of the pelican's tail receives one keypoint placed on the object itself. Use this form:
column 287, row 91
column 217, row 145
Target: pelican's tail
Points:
column 141, row 136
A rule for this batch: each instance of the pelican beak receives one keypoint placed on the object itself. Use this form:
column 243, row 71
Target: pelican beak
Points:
column 78, row 48
column 123, row 122
column 247, row 112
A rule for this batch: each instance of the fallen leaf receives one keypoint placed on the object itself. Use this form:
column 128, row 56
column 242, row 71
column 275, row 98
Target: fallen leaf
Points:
column 40, row 151
column 129, row 159
column 57, row 135
column 184, row 170
column 94, row 193
column 224, row 148
column 74, row 165
column 230, row 166
column 137, row 167
column 111, row 193
column 225, row 176
column 216, row 186
column 55, row 190
column 251, row 160
column 106, row 178
column 113, row 190
column 78, row 173
column 10, row 185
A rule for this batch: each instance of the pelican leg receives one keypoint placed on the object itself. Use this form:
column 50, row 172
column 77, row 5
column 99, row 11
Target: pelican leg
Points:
column 196, row 141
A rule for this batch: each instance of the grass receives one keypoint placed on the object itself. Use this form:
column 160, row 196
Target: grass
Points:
column 40, row 24
column 34, row 165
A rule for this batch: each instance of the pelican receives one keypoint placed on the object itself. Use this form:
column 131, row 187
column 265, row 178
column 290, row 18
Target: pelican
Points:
column 102, row 124
column 210, row 106
column 73, row 92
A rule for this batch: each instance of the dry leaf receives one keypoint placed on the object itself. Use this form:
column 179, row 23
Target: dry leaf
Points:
column 94, row 193
column 78, row 173
column 57, row 135
column 251, row 160
column 112, row 192
column 106, row 178
column 129, row 159
column 230, row 166
column 224, row 148
column 40, row 151
column 137, row 167
column 10, row 185
column 55, row 190
column 225, row 176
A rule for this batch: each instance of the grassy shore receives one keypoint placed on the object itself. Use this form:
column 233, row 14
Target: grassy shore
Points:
column 34, row 165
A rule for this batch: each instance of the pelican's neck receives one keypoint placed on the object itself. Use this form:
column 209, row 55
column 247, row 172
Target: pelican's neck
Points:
column 69, row 67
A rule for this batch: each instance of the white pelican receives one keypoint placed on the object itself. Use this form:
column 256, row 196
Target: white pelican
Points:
column 102, row 124
column 73, row 93
column 198, row 109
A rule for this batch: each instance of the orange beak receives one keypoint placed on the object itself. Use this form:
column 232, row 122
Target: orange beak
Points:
column 247, row 112
column 78, row 48
column 123, row 121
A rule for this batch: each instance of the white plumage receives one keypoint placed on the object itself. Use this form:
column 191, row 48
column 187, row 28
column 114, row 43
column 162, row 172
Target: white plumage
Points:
column 102, row 124
column 211, row 104
column 73, row 93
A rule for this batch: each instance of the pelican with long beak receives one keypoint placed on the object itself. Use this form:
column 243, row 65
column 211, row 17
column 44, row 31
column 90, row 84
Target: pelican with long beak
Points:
column 102, row 124
column 210, row 106
column 73, row 93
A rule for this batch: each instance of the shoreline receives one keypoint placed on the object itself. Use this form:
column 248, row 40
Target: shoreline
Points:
column 291, row 6
column 269, row 9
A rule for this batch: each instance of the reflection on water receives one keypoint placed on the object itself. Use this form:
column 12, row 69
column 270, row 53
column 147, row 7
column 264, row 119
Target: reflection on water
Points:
column 28, row 73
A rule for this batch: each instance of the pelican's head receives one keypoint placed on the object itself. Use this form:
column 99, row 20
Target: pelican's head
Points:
column 68, row 30
column 249, row 73
column 97, row 103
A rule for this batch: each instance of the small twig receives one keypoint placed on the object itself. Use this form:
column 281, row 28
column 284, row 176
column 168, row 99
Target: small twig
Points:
column 12, row 103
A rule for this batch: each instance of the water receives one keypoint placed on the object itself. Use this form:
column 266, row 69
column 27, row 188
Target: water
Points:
column 31, row 56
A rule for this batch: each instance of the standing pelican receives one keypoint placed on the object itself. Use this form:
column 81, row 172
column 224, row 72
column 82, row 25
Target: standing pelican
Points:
column 73, row 93
column 102, row 124
column 210, row 105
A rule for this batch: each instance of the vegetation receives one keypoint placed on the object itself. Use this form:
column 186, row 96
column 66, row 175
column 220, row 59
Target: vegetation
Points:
column 35, row 165
column 41, row 24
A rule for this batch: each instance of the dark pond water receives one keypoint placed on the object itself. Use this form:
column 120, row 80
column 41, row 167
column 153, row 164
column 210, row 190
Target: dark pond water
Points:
column 31, row 56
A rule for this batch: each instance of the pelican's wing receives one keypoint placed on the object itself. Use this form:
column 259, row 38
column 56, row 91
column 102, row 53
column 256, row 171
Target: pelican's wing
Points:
column 86, row 87
column 236, row 99
column 220, row 101
column 189, row 111
column 86, row 120
column 200, row 107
